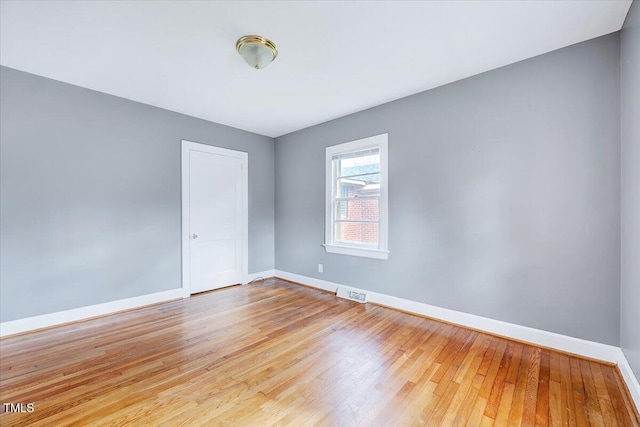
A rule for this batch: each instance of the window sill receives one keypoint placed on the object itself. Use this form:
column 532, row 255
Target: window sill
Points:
column 365, row 253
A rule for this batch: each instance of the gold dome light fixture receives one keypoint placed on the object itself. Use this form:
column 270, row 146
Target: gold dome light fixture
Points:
column 257, row 51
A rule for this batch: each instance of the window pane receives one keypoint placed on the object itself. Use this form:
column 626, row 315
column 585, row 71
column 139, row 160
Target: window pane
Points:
column 357, row 233
column 364, row 209
column 361, row 186
column 366, row 164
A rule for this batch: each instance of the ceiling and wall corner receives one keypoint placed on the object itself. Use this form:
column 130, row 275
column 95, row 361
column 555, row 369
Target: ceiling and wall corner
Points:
column 336, row 58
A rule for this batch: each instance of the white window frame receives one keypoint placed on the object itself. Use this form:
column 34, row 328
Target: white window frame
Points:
column 331, row 246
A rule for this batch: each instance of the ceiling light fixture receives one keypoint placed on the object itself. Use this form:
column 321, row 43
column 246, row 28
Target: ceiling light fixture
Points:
column 257, row 51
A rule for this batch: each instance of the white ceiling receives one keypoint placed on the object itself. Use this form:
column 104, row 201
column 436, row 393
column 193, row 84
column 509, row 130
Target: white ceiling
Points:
column 335, row 58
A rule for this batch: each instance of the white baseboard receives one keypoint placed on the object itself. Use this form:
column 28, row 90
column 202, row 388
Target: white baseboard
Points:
column 629, row 377
column 52, row 319
column 264, row 274
column 590, row 349
column 594, row 350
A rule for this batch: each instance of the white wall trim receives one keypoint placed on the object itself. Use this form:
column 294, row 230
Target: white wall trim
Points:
column 580, row 347
column 594, row 350
column 573, row 345
column 264, row 274
column 629, row 377
column 373, row 142
column 82, row 313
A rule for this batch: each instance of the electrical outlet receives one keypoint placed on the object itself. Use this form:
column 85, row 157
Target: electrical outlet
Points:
column 320, row 268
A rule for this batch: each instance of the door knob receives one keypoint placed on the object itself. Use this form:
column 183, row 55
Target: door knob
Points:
column 194, row 236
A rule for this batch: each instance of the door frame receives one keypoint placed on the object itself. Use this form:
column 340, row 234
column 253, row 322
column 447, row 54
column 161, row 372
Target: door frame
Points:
column 186, row 147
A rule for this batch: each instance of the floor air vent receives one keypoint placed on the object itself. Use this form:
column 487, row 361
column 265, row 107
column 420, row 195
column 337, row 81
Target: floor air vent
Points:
column 357, row 296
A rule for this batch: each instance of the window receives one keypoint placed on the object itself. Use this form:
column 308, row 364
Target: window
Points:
column 356, row 198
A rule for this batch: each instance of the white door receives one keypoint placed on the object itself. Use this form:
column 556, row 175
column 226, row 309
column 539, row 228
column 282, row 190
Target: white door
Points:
column 214, row 230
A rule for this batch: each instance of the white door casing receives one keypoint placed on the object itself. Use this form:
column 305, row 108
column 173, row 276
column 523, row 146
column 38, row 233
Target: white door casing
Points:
column 214, row 217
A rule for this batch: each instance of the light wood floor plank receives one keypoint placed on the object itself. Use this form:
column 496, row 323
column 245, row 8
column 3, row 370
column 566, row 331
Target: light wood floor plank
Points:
column 543, row 400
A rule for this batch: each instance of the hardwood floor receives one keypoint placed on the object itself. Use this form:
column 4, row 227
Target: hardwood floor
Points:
column 276, row 353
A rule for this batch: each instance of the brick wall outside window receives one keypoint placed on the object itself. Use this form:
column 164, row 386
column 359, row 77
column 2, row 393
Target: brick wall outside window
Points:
column 360, row 210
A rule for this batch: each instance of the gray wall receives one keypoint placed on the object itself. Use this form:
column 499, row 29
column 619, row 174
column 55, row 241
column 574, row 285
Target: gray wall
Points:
column 504, row 194
column 90, row 195
column 630, row 280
